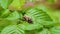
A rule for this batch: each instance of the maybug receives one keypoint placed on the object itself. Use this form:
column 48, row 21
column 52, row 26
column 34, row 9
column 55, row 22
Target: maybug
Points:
column 27, row 18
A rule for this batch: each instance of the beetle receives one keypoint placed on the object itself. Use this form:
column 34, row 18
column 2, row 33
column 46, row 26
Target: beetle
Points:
column 27, row 18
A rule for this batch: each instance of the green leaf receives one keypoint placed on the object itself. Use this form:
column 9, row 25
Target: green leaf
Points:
column 5, row 3
column 17, row 3
column 4, row 23
column 41, row 7
column 44, row 31
column 30, row 26
column 33, row 26
column 12, row 29
column 13, row 16
column 55, row 30
column 39, row 16
column 5, row 13
column 21, row 16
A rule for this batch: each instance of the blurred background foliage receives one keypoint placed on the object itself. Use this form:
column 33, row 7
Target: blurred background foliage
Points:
column 29, row 16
